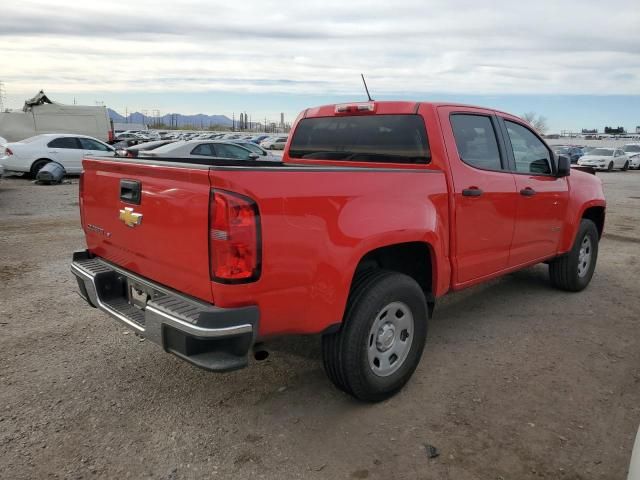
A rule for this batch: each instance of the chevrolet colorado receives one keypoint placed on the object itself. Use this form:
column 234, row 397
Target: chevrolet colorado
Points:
column 377, row 210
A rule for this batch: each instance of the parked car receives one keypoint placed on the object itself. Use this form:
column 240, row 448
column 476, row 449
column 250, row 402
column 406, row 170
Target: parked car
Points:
column 132, row 151
column 354, row 237
column 31, row 154
column 258, row 138
column 633, row 152
column 572, row 153
column 605, row 159
column 202, row 150
column 634, row 465
column 277, row 143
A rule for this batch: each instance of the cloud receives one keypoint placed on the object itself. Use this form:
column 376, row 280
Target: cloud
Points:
column 458, row 46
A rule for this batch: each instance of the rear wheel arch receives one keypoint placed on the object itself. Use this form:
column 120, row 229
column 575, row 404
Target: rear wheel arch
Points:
column 414, row 259
column 37, row 165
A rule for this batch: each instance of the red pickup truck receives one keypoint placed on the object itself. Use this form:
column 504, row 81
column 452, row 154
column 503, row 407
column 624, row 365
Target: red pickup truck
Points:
column 377, row 210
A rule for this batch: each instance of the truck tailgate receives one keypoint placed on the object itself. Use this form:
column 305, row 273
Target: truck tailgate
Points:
column 164, row 235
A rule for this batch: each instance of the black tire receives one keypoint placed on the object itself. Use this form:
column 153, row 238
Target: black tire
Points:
column 610, row 167
column 626, row 167
column 346, row 353
column 564, row 271
column 37, row 165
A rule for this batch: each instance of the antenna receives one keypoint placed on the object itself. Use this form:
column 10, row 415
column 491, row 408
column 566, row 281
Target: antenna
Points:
column 365, row 87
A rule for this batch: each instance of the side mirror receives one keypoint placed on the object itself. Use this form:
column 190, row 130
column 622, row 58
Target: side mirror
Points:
column 564, row 167
column 254, row 156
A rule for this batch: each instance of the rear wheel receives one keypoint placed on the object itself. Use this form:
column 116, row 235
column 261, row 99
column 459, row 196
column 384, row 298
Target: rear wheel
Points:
column 574, row 270
column 37, row 166
column 626, row 167
column 382, row 337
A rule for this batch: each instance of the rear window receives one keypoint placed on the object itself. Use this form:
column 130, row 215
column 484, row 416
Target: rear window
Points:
column 376, row 138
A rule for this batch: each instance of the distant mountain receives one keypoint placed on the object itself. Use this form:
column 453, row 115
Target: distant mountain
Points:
column 176, row 119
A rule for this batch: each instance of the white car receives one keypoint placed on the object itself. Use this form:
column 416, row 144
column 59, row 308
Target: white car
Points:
column 605, row 159
column 200, row 149
column 633, row 152
column 31, row 154
column 274, row 143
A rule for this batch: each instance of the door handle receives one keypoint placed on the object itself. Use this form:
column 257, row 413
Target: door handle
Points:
column 527, row 192
column 130, row 191
column 471, row 192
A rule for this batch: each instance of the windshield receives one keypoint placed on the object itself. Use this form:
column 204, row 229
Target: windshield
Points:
column 631, row 148
column 604, row 152
column 376, row 138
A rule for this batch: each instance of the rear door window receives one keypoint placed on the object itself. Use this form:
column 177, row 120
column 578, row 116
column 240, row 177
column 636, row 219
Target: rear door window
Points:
column 476, row 141
column 375, row 138
column 64, row 142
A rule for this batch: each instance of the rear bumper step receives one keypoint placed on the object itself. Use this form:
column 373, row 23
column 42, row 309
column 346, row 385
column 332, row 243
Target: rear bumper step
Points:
column 213, row 338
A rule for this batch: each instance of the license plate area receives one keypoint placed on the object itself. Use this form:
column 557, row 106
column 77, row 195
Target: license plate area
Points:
column 138, row 294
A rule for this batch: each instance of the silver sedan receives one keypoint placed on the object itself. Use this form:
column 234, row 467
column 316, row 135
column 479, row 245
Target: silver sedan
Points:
column 202, row 149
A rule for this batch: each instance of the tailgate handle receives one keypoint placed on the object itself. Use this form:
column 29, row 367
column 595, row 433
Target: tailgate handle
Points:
column 130, row 191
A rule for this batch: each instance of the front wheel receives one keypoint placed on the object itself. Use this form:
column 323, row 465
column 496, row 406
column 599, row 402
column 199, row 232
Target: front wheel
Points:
column 573, row 271
column 382, row 337
column 610, row 167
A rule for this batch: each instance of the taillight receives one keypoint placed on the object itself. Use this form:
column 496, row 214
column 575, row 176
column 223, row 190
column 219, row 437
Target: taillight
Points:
column 110, row 135
column 7, row 151
column 81, row 198
column 130, row 154
column 234, row 238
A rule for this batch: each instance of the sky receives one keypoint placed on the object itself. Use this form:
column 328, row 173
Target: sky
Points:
column 576, row 62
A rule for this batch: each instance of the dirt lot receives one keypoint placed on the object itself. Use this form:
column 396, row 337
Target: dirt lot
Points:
column 518, row 380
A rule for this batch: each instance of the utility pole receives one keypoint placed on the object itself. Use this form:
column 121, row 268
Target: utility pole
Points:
column 2, row 96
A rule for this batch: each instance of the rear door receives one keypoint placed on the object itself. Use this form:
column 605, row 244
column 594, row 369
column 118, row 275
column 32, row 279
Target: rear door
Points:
column 68, row 152
column 151, row 220
column 542, row 197
column 484, row 192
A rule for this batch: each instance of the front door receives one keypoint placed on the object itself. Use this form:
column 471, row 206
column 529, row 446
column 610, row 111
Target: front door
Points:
column 484, row 193
column 542, row 197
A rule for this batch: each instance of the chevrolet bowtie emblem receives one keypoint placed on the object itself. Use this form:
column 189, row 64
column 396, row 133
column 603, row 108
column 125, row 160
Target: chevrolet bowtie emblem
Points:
column 130, row 218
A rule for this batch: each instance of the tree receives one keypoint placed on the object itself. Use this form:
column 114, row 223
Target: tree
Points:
column 536, row 121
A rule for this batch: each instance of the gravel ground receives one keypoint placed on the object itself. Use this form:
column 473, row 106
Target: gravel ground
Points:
column 518, row 380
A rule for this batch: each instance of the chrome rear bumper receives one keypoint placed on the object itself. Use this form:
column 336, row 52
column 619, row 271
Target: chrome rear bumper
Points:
column 214, row 338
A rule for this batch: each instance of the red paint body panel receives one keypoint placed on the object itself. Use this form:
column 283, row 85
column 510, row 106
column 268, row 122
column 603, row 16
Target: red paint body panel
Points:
column 316, row 226
column 318, row 223
column 170, row 245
